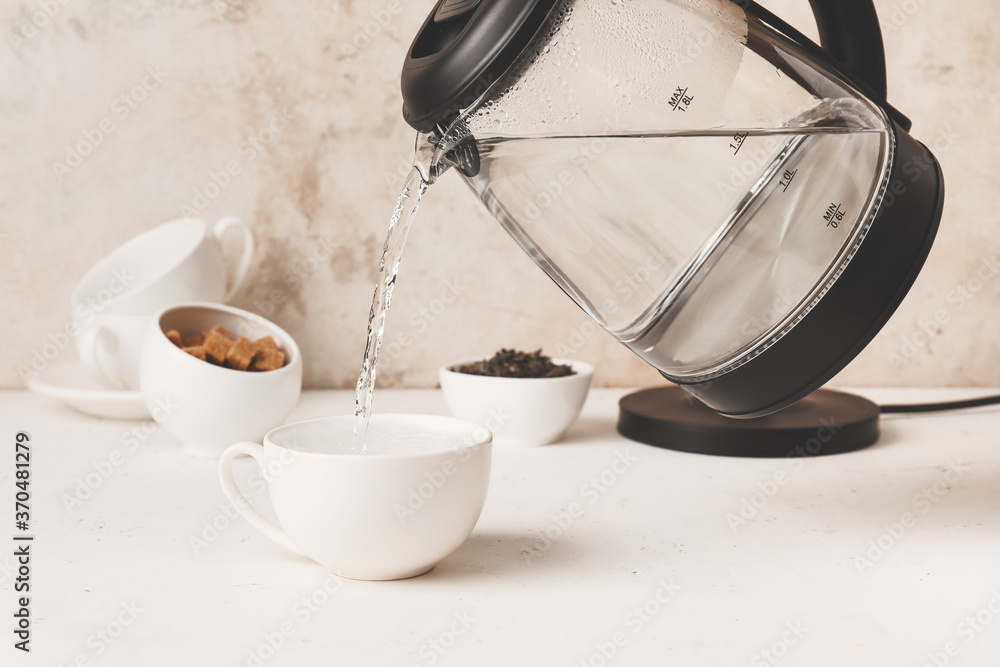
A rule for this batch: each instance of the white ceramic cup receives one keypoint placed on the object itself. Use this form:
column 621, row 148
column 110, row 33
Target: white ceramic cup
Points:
column 109, row 347
column 372, row 516
column 208, row 407
column 521, row 412
column 174, row 262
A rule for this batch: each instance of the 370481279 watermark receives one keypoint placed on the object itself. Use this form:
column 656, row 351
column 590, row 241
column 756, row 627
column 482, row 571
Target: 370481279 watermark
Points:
column 22, row 541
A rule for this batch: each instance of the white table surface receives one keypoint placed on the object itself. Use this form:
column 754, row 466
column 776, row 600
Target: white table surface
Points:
column 116, row 581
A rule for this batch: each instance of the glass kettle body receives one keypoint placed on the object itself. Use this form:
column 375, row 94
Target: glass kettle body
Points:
column 720, row 195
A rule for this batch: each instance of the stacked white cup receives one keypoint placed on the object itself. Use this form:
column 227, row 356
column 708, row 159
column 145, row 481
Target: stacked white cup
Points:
column 178, row 261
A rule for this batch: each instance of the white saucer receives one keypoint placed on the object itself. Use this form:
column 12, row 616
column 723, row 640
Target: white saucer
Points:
column 70, row 382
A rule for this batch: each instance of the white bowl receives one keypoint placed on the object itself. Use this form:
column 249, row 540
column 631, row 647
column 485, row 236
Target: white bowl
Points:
column 209, row 407
column 519, row 411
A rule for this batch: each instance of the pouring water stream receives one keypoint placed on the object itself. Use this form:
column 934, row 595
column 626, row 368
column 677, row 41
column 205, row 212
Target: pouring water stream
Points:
column 403, row 215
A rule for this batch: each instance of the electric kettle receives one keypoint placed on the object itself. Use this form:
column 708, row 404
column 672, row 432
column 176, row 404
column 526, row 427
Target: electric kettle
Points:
column 740, row 207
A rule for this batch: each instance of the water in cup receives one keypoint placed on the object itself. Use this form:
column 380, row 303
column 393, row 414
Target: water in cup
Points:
column 384, row 438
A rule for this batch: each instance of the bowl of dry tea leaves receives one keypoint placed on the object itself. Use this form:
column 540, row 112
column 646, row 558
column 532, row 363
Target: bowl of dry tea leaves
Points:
column 524, row 398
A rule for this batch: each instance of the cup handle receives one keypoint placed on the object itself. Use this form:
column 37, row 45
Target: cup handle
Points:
column 218, row 231
column 89, row 340
column 241, row 502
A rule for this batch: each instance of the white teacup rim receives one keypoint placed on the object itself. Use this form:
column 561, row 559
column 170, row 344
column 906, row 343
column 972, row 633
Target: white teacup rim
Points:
column 479, row 434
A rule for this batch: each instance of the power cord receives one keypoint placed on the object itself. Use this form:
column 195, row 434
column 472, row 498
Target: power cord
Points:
column 940, row 407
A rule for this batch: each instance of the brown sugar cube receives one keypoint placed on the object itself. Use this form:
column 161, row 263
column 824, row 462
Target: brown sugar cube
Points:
column 229, row 335
column 240, row 354
column 194, row 341
column 196, row 351
column 174, row 336
column 267, row 359
column 217, row 343
column 266, row 343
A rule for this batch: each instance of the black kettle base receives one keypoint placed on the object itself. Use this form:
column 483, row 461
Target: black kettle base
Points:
column 825, row 422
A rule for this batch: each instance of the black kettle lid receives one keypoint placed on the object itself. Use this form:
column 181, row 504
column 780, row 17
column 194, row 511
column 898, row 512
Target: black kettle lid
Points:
column 462, row 48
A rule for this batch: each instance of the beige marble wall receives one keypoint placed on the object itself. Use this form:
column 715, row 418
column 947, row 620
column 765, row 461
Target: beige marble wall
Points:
column 304, row 97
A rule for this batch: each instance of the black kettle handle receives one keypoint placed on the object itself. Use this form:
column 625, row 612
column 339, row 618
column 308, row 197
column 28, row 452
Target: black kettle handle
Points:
column 852, row 38
column 850, row 31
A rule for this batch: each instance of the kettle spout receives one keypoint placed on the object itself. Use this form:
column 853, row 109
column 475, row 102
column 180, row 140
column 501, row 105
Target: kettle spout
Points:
column 436, row 154
column 464, row 157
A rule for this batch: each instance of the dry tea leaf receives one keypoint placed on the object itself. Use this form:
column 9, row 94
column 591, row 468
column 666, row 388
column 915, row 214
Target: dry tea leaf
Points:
column 515, row 364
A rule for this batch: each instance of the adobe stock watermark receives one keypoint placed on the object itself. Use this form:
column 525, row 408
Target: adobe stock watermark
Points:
column 418, row 496
column 231, row 11
column 922, row 502
column 302, row 611
column 751, row 506
column 633, row 282
column 434, row 648
column 8, row 568
column 577, row 338
column 973, row 625
column 590, row 491
column 105, row 467
column 773, row 654
column 581, row 161
column 247, row 151
column 634, row 621
column 768, row 317
column 300, row 270
column 84, row 313
column 914, row 169
column 213, row 528
column 958, row 297
column 901, row 15
column 381, row 18
column 102, row 639
column 121, row 108
column 37, row 19
column 420, row 321
column 394, row 176
column 249, row 324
